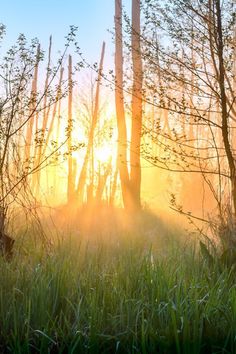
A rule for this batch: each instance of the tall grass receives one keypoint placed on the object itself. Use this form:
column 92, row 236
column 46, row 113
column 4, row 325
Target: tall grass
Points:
column 118, row 297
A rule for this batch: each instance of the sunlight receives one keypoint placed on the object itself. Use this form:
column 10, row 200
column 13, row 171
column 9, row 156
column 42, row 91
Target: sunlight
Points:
column 103, row 154
column 118, row 177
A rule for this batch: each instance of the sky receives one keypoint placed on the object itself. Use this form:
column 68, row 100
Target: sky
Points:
column 41, row 18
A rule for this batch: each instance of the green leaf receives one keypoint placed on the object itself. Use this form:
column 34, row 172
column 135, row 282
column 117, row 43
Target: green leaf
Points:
column 206, row 254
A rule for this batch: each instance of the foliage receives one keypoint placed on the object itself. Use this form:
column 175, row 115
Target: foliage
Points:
column 24, row 106
column 119, row 296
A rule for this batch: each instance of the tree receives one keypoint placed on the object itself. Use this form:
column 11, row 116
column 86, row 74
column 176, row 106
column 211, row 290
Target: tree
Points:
column 95, row 117
column 45, row 117
column 197, row 54
column 21, row 102
column 136, row 131
column 130, row 183
column 70, row 181
column 120, row 110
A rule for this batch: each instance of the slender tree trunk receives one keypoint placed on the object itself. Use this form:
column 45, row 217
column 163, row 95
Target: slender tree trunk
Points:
column 223, row 102
column 50, row 129
column 183, row 98
column 70, row 181
column 58, row 137
column 114, row 186
column 102, row 184
column 37, row 175
column 46, row 111
column 95, row 116
column 233, row 135
column 30, row 124
column 120, row 111
column 191, row 119
column 135, row 169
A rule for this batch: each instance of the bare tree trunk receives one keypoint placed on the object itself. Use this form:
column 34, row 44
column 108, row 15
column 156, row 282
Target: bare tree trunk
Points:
column 83, row 173
column 114, row 187
column 135, row 169
column 30, row 124
column 55, row 179
column 50, row 129
column 233, row 134
column 46, row 111
column 120, row 111
column 70, row 181
column 223, row 102
column 191, row 136
column 102, row 184
column 45, row 120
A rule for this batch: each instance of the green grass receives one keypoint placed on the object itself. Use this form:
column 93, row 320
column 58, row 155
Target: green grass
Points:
column 116, row 297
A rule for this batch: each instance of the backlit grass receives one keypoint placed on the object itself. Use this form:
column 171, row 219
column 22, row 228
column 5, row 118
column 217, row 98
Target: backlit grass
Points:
column 123, row 296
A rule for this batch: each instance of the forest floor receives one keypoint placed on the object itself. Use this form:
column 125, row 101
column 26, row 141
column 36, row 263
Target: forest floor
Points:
column 142, row 289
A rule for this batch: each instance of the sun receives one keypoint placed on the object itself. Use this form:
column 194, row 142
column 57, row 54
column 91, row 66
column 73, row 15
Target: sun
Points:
column 103, row 154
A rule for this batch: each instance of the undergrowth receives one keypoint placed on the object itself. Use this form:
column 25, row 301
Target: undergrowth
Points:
column 132, row 293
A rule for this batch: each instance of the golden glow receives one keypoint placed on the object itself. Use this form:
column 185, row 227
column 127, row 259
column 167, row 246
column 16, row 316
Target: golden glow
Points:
column 104, row 153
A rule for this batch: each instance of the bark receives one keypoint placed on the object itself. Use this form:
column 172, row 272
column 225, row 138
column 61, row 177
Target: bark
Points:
column 135, row 169
column 50, row 129
column 58, row 126
column 95, row 116
column 191, row 127
column 45, row 121
column 46, row 111
column 70, row 181
column 223, row 102
column 120, row 111
column 166, row 125
column 102, row 184
column 114, row 186
column 30, row 125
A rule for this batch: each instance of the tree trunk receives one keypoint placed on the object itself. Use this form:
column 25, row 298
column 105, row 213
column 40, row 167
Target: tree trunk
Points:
column 102, row 184
column 70, row 181
column 223, row 102
column 120, row 111
column 83, row 173
column 30, row 124
column 55, row 184
column 37, row 162
column 58, row 97
column 135, row 169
